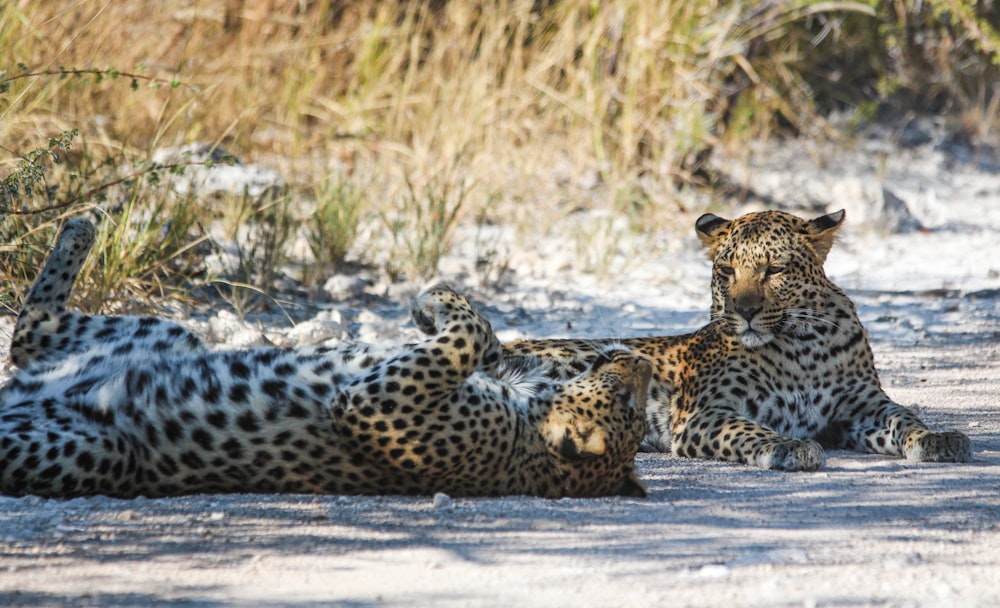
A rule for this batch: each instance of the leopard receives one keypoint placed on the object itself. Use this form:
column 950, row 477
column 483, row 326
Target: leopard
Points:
column 782, row 371
column 141, row 407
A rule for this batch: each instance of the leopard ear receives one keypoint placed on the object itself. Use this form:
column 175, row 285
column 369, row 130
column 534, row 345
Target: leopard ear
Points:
column 822, row 232
column 708, row 228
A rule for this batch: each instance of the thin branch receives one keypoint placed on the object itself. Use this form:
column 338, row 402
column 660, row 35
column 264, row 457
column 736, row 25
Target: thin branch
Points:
column 108, row 73
column 106, row 185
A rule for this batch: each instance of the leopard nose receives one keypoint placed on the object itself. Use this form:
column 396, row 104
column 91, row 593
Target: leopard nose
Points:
column 748, row 312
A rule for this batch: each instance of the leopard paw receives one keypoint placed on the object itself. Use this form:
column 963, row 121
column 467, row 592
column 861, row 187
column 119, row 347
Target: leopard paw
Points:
column 54, row 284
column 432, row 308
column 793, row 455
column 459, row 329
column 947, row 446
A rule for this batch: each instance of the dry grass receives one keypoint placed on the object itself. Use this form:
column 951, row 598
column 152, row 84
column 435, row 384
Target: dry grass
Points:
column 626, row 88
column 612, row 105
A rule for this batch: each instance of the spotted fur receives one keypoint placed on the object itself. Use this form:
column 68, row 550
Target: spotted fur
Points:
column 783, row 366
column 127, row 406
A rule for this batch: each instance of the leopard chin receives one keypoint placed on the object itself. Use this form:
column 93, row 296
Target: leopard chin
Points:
column 751, row 335
column 753, row 339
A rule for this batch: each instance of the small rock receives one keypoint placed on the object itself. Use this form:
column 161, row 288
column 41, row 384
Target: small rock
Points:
column 443, row 501
column 226, row 328
column 127, row 515
column 713, row 571
column 327, row 325
column 380, row 327
column 341, row 286
column 896, row 217
column 223, row 263
column 871, row 204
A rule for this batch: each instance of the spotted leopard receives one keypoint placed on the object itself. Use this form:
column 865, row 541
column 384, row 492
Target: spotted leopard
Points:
column 783, row 366
column 133, row 406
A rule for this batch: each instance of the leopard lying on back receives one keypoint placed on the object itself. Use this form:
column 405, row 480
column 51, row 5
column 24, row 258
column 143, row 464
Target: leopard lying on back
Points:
column 129, row 406
column 783, row 364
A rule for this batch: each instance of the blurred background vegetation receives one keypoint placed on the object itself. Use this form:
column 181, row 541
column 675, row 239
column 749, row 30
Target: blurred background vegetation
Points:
column 405, row 118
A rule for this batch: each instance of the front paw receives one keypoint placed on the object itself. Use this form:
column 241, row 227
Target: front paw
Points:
column 948, row 446
column 792, row 455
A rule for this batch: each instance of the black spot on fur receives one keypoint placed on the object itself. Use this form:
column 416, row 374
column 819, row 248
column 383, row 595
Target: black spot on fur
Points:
column 248, row 422
column 274, row 388
column 239, row 370
column 238, row 393
column 218, row 419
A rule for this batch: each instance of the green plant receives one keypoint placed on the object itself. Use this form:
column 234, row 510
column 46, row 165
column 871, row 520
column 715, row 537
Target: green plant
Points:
column 423, row 223
column 260, row 230
column 139, row 254
column 146, row 245
column 21, row 184
column 147, row 249
column 333, row 225
column 148, row 239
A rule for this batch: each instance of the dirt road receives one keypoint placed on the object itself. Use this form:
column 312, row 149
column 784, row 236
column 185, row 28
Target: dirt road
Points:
column 864, row 531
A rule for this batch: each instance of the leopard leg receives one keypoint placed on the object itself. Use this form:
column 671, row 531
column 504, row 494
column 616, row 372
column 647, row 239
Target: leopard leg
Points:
column 881, row 426
column 41, row 313
column 76, row 459
column 392, row 412
column 720, row 432
column 46, row 331
column 457, row 330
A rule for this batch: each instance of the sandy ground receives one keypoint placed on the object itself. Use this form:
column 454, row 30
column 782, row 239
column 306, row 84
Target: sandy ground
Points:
column 864, row 531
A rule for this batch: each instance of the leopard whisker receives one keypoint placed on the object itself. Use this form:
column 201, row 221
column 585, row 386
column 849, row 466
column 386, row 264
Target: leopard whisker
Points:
column 808, row 315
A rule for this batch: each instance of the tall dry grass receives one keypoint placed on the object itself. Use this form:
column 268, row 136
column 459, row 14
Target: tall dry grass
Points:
column 515, row 101
column 628, row 86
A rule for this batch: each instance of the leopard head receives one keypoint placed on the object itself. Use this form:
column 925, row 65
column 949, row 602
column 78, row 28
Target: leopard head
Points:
column 767, row 271
column 596, row 424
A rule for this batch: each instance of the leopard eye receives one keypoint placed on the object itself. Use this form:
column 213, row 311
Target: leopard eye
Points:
column 726, row 271
column 773, row 270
